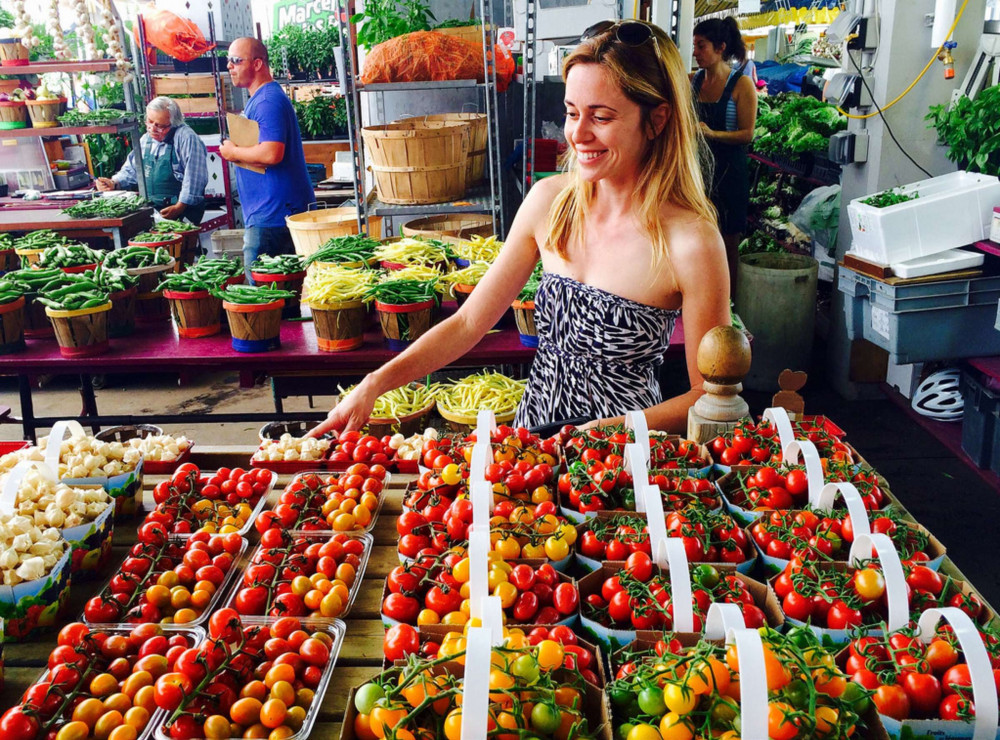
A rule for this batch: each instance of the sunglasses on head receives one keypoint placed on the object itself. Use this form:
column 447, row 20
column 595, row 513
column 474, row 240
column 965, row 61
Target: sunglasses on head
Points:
column 629, row 32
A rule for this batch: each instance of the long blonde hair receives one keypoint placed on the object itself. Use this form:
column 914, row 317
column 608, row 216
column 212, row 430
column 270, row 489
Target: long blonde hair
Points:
column 673, row 170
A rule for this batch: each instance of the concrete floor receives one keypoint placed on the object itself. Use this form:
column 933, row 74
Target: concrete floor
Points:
column 143, row 394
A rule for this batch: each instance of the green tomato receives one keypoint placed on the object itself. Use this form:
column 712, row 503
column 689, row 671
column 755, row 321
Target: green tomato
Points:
column 526, row 668
column 707, row 576
column 857, row 697
column 723, row 713
column 651, row 702
column 797, row 693
column 366, row 696
column 620, row 695
column 624, row 730
column 545, row 718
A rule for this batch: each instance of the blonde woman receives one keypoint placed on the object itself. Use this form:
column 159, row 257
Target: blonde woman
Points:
column 628, row 243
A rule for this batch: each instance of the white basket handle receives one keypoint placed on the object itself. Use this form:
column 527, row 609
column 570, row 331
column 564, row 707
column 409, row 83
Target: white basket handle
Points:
column 486, row 424
column 668, row 552
column 802, row 450
column 56, row 437
column 481, row 494
column 725, row 621
column 983, row 688
column 12, row 483
column 855, row 506
column 479, row 565
column 635, row 465
column 636, row 421
column 779, row 417
column 892, row 569
column 476, row 693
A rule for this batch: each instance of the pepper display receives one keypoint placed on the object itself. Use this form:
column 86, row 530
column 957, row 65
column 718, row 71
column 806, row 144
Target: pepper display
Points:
column 82, row 292
column 114, row 280
column 134, row 257
column 70, row 255
column 153, row 237
column 106, row 207
column 9, row 291
column 36, row 281
column 217, row 270
column 282, row 264
column 42, row 239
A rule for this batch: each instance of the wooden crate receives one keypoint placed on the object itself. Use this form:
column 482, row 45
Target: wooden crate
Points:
column 202, row 86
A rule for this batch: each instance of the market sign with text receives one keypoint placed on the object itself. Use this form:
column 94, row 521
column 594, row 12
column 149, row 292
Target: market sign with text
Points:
column 315, row 13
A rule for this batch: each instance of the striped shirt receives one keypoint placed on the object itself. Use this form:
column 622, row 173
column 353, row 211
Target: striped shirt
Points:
column 190, row 166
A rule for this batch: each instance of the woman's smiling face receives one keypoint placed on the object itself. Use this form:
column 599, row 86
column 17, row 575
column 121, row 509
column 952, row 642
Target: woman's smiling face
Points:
column 603, row 125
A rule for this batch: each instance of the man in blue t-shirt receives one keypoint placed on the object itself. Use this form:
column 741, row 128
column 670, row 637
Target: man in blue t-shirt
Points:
column 284, row 188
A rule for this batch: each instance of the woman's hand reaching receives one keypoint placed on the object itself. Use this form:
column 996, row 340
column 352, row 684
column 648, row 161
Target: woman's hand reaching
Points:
column 349, row 413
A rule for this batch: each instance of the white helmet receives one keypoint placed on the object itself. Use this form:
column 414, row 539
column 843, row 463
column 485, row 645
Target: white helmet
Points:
column 939, row 396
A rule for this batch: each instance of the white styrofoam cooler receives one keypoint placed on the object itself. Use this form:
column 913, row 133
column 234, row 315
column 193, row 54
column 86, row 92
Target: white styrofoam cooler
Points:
column 953, row 210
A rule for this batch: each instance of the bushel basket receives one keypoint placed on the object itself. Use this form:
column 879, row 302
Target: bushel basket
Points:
column 417, row 162
column 196, row 313
column 81, row 333
column 256, row 327
column 12, row 326
column 340, row 327
column 478, row 140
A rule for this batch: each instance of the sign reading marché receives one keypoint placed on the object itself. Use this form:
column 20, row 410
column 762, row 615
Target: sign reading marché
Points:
column 313, row 13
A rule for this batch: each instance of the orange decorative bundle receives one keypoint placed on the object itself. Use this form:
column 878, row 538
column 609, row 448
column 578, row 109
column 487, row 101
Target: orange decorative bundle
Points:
column 423, row 56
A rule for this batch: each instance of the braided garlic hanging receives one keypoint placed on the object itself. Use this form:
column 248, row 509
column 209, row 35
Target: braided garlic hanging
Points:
column 54, row 27
column 22, row 26
column 84, row 28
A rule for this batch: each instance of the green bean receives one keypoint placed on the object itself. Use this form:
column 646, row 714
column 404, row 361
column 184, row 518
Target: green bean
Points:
column 168, row 226
column 251, row 294
column 349, row 248
column 398, row 292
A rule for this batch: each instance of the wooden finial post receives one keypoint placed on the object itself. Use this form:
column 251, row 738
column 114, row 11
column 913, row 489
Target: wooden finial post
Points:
column 723, row 360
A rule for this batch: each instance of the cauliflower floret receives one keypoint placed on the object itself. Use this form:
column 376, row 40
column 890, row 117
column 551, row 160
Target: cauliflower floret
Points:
column 31, row 569
column 9, row 558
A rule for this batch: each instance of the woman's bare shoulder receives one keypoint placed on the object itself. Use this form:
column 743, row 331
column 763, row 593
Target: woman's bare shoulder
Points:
column 688, row 232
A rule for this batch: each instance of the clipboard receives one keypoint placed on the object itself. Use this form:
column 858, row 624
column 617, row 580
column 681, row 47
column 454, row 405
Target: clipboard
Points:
column 244, row 132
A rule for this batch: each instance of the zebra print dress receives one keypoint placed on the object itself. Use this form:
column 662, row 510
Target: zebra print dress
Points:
column 598, row 353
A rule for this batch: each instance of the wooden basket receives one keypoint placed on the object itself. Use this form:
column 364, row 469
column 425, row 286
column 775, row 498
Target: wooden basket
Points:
column 255, row 327
column 455, row 225
column 44, row 113
column 196, row 313
column 312, row 229
column 479, row 141
column 13, row 53
column 36, row 322
column 13, row 114
column 472, row 34
column 81, row 333
column 407, row 425
column 12, row 326
column 403, row 323
column 8, row 260
column 121, row 319
column 292, row 282
column 340, row 327
column 29, row 257
column 173, row 243
column 417, row 162
column 151, row 308
column 466, row 423
column 524, row 315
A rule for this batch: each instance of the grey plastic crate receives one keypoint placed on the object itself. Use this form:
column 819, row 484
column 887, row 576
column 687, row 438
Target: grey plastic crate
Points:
column 923, row 322
column 979, row 420
column 228, row 243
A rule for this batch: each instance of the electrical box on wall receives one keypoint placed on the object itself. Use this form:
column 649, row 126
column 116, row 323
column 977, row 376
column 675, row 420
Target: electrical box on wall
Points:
column 848, row 147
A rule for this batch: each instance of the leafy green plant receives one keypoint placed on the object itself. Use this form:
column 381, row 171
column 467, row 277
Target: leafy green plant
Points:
column 295, row 49
column 6, row 19
column 971, row 131
column 382, row 20
column 458, row 23
column 321, row 117
column 758, row 242
column 108, row 152
column 794, row 123
column 889, row 198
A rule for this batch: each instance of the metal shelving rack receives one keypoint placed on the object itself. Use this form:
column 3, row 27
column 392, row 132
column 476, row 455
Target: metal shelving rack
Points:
column 487, row 198
column 74, row 67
